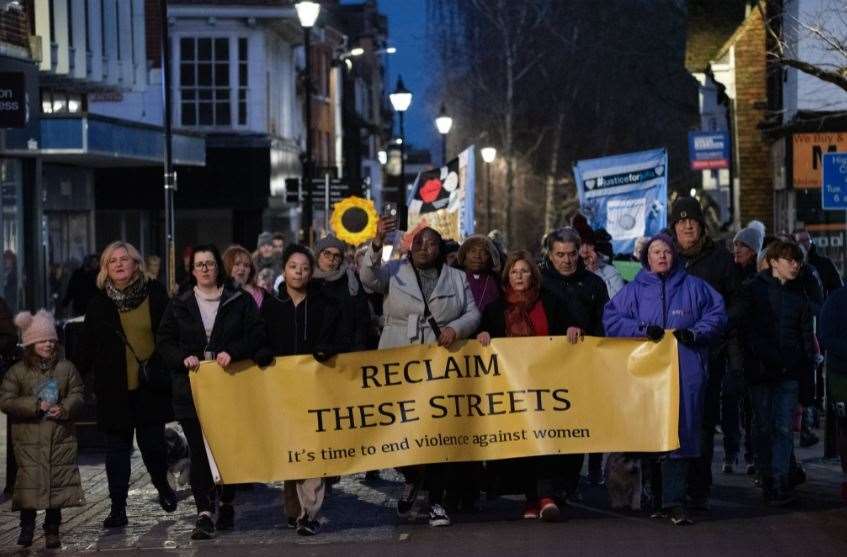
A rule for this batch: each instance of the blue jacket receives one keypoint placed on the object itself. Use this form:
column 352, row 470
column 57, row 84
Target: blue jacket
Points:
column 675, row 301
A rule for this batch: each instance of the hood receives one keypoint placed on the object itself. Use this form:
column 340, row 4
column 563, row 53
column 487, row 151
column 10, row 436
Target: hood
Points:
column 489, row 245
column 666, row 238
column 645, row 275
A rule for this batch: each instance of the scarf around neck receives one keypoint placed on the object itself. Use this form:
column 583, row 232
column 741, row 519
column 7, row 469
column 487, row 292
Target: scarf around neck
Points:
column 518, row 306
column 130, row 297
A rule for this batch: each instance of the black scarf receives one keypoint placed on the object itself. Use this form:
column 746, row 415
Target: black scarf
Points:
column 130, row 297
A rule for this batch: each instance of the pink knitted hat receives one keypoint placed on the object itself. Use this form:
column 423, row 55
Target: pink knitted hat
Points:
column 36, row 328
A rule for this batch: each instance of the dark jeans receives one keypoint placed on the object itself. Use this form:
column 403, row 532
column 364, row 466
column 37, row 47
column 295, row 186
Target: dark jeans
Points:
column 674, row 481
column 747, row 424
column 542, row 475
column 151, row 444
column 773, row 408
column 731, row 394
column 202, row 484
column 571, row 466
column 53, row 517
column 433, row 476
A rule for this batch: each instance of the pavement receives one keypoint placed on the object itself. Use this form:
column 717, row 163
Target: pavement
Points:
column 359, row 520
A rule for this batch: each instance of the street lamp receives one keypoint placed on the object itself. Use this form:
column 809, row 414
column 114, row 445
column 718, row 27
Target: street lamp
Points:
column 400, row 99
column 307, row 13
column 488, row 156
column 443, row 122
column 169, row 172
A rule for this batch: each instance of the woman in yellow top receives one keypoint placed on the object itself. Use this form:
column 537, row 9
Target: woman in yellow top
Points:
column 120, row 325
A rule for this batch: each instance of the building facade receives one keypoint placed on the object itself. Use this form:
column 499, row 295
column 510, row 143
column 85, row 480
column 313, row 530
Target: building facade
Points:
column 74, row 53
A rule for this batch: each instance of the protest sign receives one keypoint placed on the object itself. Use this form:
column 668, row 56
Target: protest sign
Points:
column 443, row 198
column 625, row 194
column 422, row 404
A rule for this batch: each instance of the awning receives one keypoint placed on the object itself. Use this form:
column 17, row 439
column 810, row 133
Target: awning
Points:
column 101, row 141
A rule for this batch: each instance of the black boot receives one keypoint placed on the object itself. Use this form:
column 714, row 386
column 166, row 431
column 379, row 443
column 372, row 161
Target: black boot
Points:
column 167, row 499
column 117, row 518
column 25, row 537
column 51, row 536
column 226, row 517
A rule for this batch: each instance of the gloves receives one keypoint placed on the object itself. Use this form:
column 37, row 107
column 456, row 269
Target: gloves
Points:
column 684, row 336
column 263, row 358
column 655, row 333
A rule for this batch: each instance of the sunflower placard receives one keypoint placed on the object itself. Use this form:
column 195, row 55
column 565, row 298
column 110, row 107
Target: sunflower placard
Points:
column 354, row 220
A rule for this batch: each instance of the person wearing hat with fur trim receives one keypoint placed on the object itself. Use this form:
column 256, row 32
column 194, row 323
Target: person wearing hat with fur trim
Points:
column 43, row 396
column 704, row 258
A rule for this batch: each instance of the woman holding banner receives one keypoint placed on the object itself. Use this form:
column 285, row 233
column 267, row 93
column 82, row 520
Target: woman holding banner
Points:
column 527, row 310
column 211, row 321
column 663, row 296
column 303, row 321
column 425, row 301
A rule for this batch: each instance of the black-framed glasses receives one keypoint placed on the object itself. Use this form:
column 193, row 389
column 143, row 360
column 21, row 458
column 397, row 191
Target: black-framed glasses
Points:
column 205, row 265
column 332, row 255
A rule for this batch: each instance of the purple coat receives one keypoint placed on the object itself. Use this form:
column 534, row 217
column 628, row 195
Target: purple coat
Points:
column 676, row 301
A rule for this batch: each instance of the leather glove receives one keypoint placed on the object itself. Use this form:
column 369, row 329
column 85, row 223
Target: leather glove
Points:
column 655, row 333
column 264, row 358
column 685, row 336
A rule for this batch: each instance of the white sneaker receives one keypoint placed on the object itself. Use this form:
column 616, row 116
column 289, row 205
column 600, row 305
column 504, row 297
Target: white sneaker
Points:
column 438, row 516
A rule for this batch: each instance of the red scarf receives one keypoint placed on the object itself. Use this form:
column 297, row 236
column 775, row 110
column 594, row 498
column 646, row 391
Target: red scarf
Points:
column 518, row 308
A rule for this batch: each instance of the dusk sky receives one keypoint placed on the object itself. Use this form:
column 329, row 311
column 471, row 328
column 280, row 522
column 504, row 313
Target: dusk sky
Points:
column 407, row 31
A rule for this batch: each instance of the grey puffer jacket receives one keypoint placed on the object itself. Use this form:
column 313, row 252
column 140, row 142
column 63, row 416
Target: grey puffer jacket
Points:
column 45, row 448
column 451, row 302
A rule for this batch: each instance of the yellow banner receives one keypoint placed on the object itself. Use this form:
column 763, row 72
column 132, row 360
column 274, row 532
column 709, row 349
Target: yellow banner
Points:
column 420, row 404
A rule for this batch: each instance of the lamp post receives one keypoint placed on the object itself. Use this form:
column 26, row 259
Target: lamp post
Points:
column 443, row 123
column 169, row 173
column 488, row 156
column 307, row 13
column 400, row 99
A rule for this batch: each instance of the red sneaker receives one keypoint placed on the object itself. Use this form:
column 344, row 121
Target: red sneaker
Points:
column 530, row 510
column 549, row 511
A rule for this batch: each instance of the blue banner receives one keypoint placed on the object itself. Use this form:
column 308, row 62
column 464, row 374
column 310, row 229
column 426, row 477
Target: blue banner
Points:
column 625, row 194
column 708, row 150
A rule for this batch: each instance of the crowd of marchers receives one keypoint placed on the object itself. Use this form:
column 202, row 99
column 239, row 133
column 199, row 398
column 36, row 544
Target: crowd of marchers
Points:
column 754, row 320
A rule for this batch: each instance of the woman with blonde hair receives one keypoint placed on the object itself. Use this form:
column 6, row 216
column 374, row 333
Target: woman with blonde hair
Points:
column 117, row 345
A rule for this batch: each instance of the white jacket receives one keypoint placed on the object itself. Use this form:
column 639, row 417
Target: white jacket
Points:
column 451, row 302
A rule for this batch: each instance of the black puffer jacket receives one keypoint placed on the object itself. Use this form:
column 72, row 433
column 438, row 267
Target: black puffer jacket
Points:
column 714, row 264
column 238, row 331
column 103, row 352
column 558, row 320
column 317, row 326
column 349, row 295
column 777, row 333
column 827, row 271
column 583, row 294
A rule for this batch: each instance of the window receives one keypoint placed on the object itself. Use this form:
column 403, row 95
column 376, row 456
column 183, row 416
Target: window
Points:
column 61, row 102
column 213, row 81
